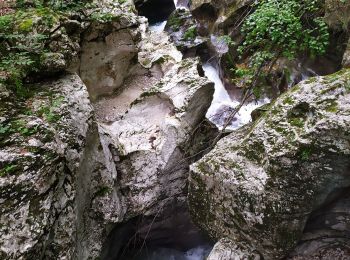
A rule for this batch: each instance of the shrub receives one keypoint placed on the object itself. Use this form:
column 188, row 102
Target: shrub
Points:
column 284, row 28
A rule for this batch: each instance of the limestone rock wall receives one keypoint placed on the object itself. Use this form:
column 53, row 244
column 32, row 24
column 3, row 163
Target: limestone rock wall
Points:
column 258, row 188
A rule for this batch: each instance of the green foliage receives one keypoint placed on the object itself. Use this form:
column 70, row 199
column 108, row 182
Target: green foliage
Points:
column 64, row 6
column 21, row 47
column 174, row 22
column 284, row 28
column 48, row 112
column 8, row 169
column 306, row 153
column 5, row 22
column 276, row 29
column 4, row 129
column 102, row 17
column 24, row 3
column 227, row 39
column 102, row 191
column 20, row 126
column 298, row 122
column 24, row 36
column 190, row 34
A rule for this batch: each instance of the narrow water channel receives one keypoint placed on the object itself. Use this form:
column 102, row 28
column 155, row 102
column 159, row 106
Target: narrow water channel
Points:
column 222, row 104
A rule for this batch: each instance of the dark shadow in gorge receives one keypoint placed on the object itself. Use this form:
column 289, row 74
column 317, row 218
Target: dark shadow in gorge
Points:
column 172, row 230
column 155, row 10
column 327, row 230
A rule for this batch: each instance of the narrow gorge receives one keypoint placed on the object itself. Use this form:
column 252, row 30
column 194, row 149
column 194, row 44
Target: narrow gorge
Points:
column 175, row 129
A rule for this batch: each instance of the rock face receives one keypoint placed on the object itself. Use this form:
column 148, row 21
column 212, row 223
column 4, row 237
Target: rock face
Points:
column 109, row 53
column 326, row 235
column 71, row 170
column 225, row 249
column 149, row 141
column 138, row 163
column 182, row 29
column 258, row 188
column 219, row 13
column 337, row 14
column 346, row 57
column 42, row 143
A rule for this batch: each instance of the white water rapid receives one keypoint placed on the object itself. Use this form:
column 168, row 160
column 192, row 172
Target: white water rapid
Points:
column 197, row 253
column 181, row 4
column 158, row 27
column 222, row 104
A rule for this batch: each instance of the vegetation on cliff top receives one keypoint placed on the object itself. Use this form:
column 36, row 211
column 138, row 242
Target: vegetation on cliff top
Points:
column 281, row 29
column 25, row 31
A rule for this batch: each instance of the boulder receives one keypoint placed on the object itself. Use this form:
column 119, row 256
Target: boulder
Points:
column 182, row 29
column 258, row 187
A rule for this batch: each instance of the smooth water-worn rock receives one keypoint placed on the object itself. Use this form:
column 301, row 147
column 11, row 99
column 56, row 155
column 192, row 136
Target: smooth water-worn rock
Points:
column 148, row 141
column 257, row 188
column 42, row 143
column 109, row 53
column 225, row 249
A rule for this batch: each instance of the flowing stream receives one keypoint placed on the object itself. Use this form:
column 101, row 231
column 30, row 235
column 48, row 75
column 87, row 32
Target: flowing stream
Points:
column 222, row 105
column 197, row 253
column 158, row 27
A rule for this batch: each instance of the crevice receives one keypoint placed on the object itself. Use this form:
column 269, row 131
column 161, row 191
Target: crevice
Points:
column 155, row 10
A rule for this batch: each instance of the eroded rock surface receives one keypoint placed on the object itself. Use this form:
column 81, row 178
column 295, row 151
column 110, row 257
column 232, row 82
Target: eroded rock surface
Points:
column 41, row 151
column 109, row 53
column 258, row 188
column 148, row 141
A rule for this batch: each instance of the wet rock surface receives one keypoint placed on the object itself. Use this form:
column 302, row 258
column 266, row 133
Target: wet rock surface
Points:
column 182, row 29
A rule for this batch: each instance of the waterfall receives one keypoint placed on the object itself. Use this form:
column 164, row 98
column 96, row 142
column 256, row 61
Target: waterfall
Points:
column 158, row 27
column 222, row 105
column 181, row 4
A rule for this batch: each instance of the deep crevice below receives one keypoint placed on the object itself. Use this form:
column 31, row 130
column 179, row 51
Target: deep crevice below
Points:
column 171, row 235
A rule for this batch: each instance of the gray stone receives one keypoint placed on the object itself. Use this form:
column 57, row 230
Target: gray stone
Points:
column 258, row 188
column 39, row 159
column 148, row 141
